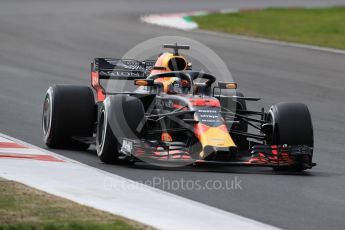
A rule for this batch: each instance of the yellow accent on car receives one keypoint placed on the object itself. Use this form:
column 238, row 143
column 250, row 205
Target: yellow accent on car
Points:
column 215, row 136
column 170, row 59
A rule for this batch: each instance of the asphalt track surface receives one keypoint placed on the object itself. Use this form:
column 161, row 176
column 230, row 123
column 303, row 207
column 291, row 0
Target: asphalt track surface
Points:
column 49, row 42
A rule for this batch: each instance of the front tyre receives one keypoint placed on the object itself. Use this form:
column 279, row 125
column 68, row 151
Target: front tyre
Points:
column 291, row 125
column 106, row 143
column 119, row 117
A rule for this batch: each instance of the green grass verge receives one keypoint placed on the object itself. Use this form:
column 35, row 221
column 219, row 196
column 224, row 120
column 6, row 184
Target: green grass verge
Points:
column 320, row 26
column 25, row 208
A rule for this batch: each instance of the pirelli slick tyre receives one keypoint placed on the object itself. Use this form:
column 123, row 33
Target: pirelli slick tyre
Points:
column 291, row 125
column 106, row 143
column 120, row 117
column 68, row 112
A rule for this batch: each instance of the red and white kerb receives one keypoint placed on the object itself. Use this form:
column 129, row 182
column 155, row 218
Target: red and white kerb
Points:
column 11, row 149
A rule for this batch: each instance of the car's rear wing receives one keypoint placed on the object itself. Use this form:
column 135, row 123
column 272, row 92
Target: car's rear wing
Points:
column 121, row 69
column 117, row 69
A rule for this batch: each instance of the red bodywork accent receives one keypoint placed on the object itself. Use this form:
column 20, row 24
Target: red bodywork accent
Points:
column 172, row 154
column 204, row 102
column 280, row 159
column 95, row 84
column 177, row 106
column 200, row 129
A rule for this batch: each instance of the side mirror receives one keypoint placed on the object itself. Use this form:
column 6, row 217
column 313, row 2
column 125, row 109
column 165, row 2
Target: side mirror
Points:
column 227, row 85
column 143, row 82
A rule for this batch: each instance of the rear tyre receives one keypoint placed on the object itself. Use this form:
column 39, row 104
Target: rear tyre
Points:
column 291, row 125
column 68, row 112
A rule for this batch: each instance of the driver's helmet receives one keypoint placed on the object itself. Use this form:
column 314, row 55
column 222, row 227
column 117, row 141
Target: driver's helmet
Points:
column 171, row 85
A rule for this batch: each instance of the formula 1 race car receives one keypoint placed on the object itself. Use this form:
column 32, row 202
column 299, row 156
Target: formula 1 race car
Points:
column 175, row 115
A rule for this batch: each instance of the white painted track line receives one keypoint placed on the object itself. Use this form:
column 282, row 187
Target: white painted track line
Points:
column 105, row 191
